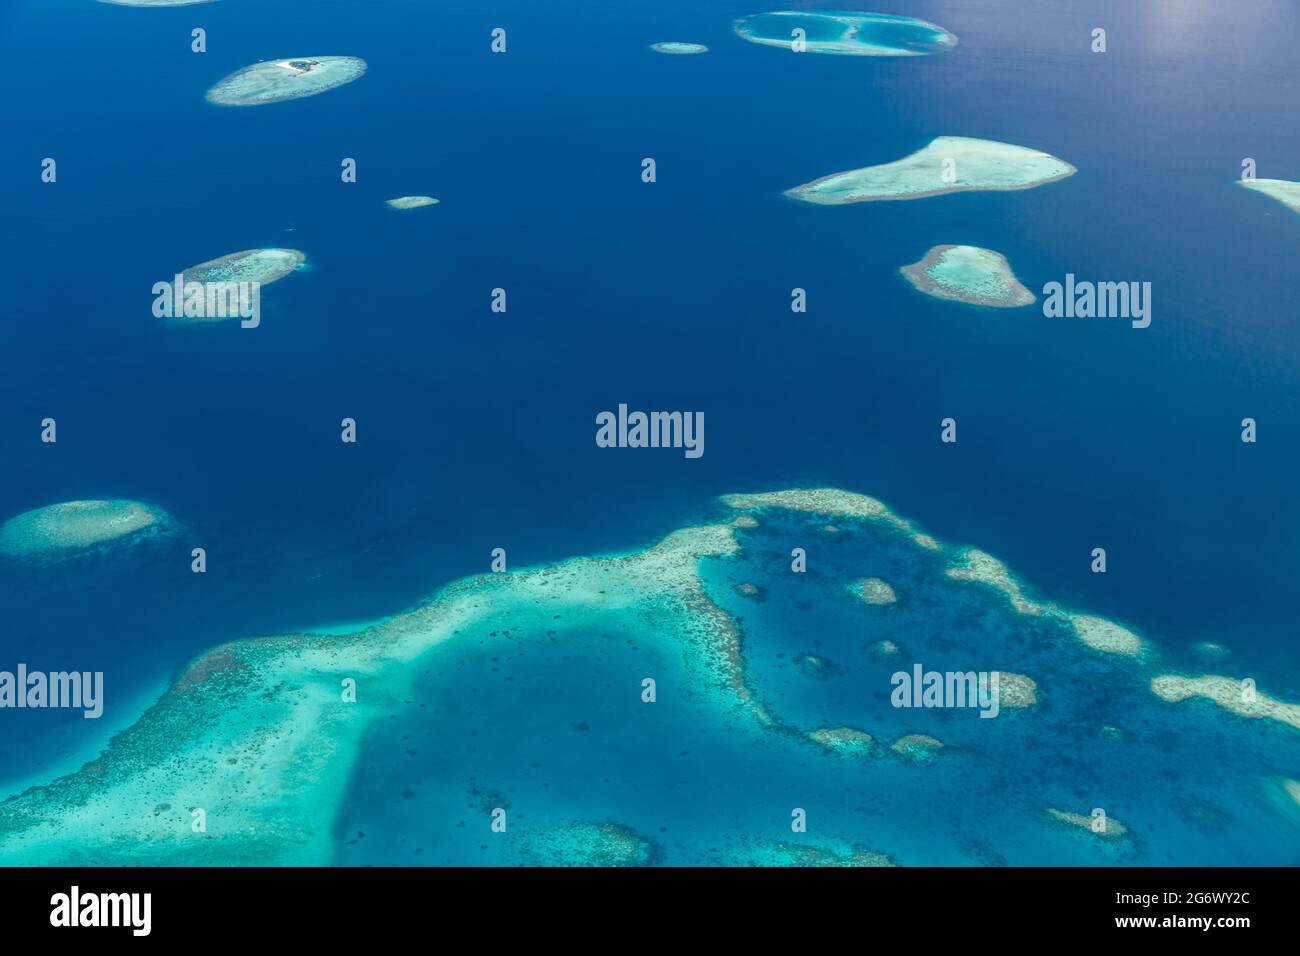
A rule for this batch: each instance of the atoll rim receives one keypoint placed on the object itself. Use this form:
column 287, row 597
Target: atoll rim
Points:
column 846, row 33
column 679, row 48
column 947, row 164
column 968, row 274
column 410, row 202
column 71, row 527
column 272, row 81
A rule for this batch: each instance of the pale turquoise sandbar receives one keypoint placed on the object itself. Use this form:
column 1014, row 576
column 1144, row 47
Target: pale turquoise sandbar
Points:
column 71, row 526
column 847, row 33
column 1283, row 190
column 410, row 202
column 679, row 48
column 273, row 81
column 968, row 274
column 947, row 164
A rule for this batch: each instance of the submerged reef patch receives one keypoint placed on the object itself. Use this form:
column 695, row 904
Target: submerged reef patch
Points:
column 917, row 747
column 874, row 591
column 273, row 81
column 885, row 649
column 679, row 48
column 1232, row 695
column 584, row 844
column 262, row 266
column 968, row 274
column 1110, row 829
column 844, row 741
column 71, row 527
column 947, row 164
column 1016, row 690
column 410, row 202
column 783, row 853
column 846, row 33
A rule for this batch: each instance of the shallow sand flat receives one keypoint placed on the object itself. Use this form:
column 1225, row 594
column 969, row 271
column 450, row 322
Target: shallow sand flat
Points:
column 968, row 274
column 1283, row 190
column 257, row 734
column 1227, row 693
column 271, row 82
column 977, row 164
column 410, row 202
column 72, row 526
column 847, row 33
column 679, row 48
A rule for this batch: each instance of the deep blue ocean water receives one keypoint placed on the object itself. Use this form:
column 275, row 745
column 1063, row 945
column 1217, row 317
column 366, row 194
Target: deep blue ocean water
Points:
column 476, row 429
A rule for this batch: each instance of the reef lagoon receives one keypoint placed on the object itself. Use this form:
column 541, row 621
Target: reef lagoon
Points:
column 846, row 33
column 970, row 275
column 273, row 81
column 415, row 760
column 947, row 164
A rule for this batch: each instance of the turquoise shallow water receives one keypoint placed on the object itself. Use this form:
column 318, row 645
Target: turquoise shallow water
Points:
column 550, row 726
column 476, row 430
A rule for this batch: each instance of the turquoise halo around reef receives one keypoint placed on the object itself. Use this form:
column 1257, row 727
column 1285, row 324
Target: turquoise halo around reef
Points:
column 847, row 33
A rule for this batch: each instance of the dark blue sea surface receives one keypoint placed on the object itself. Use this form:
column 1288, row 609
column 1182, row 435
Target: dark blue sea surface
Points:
column 476, row 428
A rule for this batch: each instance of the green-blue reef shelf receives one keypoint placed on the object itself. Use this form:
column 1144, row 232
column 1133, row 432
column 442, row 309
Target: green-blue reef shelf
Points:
column 307, row 748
